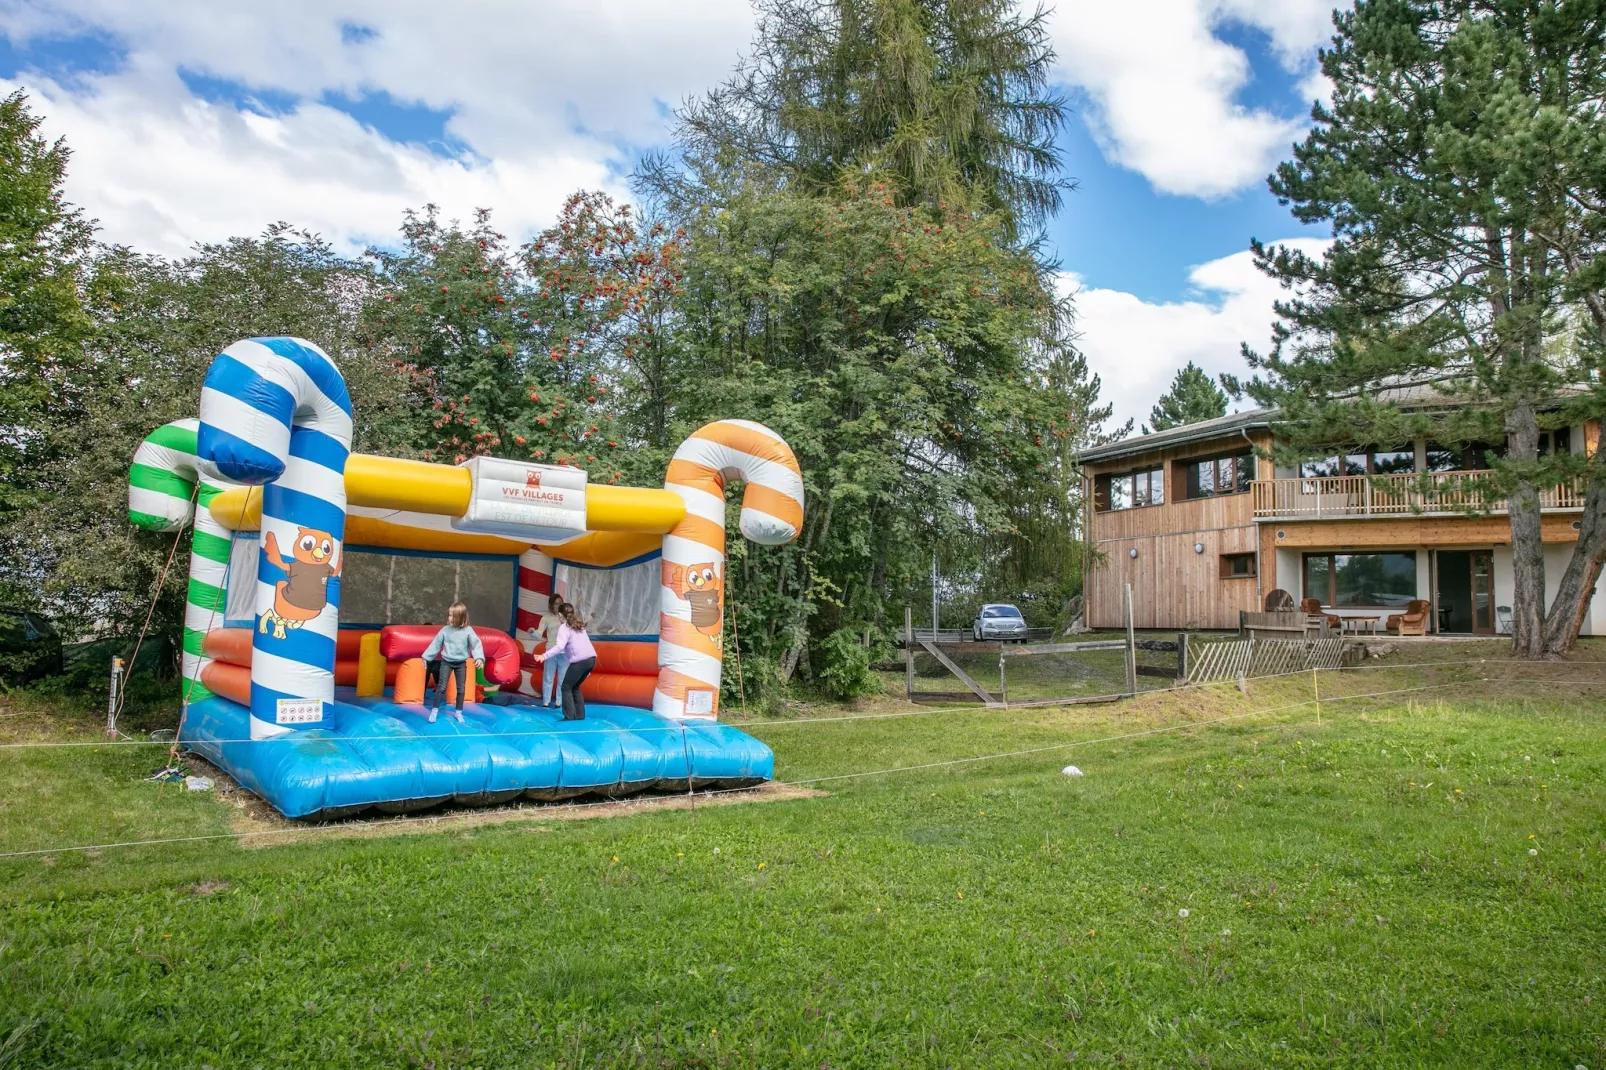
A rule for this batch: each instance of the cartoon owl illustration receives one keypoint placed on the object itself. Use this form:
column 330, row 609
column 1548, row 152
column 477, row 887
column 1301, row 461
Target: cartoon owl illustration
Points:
column 305, row 593
column 702, row 587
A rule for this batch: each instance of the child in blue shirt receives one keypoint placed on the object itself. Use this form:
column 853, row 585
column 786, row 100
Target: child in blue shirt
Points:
column 454, row 645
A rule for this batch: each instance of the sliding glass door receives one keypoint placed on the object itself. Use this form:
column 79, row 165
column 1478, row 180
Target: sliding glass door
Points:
column 1482, row 592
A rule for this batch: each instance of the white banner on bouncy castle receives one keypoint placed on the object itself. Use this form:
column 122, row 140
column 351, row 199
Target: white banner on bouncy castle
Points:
column 521, row 500
column 275, row 413
column 690, row 638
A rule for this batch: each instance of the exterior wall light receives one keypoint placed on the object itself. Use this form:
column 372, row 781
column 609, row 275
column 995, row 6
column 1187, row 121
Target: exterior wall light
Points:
column 1198, row 547
column 1133, row 553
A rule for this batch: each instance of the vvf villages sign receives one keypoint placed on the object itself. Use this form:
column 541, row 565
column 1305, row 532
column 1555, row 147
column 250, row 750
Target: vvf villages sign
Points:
column 524, row 500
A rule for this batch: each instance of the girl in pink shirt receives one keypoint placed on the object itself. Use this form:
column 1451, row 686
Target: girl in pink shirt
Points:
column 573, row 643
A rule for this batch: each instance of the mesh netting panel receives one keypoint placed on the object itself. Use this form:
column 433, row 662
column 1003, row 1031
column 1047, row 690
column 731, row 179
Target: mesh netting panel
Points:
column 378, row 588
column 240, row 608
column 614, row 601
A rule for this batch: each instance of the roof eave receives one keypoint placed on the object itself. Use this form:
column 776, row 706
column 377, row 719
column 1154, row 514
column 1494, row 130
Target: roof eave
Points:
column 1181, row 436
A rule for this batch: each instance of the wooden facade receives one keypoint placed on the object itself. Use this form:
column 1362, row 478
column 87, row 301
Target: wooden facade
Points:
column 1178, row 573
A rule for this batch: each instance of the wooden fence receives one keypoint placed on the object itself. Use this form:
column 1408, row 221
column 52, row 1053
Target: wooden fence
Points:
column 1228, row 660
column 1197, row 661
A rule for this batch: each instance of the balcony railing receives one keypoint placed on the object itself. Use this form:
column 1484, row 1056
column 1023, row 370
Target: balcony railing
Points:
column 1444, row 494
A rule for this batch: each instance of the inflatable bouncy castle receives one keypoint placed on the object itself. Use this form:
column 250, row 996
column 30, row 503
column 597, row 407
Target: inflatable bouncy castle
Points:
column 318, row 577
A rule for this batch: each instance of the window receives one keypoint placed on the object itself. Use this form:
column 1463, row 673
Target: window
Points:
column 1387, row 462
column 1472, row 457
column 1444, row 458
column 1131, row 490
column 1557, row 441
column 1350, row 464
column 1370, row 580
column 1370, row 462
column 1237, row 566
column 1218, row 475
column 991, row 612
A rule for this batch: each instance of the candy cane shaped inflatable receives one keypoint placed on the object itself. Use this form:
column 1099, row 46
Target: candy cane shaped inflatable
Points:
column 274, row 412
column 692, row 599
column 163, row 496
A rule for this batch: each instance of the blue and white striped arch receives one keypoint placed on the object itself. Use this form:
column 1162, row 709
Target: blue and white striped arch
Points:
column 275, row 413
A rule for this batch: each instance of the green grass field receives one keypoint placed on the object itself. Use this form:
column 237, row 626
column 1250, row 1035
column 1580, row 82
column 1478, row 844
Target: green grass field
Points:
column 1420, row 879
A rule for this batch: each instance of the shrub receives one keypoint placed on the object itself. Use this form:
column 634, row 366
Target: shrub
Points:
column 848, row 669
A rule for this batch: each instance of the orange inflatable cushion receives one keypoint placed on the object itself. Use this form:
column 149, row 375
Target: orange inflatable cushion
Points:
column 633, row 658
column 230, row 681
column 346, row 672
column 618, row 689
column 232, row 645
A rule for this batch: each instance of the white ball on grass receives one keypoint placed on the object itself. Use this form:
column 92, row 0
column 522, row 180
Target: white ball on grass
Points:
column 1071, row 770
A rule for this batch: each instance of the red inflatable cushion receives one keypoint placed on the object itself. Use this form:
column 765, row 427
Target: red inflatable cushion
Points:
column 398, row 642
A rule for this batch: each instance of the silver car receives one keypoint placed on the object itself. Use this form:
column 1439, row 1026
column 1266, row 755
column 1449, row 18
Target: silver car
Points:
column 998, row 620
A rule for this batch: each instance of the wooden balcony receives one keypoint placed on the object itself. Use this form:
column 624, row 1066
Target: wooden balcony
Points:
column 1340, row 497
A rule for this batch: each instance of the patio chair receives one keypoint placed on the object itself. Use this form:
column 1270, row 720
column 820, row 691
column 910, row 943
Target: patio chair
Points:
column 1313, row 606
column 1414, row 621
column 1279, row 601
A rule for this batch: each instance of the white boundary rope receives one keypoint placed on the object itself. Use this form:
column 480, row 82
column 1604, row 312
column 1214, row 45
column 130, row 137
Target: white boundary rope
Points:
column 465, row 817
column 1111, row 739
column 787, row 721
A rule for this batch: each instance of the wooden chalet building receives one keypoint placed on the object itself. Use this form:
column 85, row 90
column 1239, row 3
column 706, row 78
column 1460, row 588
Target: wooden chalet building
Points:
column 1203, row 528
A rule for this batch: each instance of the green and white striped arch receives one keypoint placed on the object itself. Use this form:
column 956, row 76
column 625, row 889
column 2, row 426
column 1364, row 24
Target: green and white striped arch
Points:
column 168, row 487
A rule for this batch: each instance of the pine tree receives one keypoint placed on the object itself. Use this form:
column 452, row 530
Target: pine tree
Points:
column 948, row 99
column 1193, row 396
column 1460, row 165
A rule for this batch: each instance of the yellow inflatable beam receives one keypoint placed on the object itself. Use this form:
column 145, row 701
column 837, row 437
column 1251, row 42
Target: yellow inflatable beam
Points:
column 443, row 490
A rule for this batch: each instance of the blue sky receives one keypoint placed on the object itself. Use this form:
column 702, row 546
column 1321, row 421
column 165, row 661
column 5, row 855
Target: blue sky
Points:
column 192, row 123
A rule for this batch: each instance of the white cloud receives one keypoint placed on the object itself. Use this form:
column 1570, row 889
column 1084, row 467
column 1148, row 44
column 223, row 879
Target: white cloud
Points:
column 547, row 98
column 1162, row 87
column 162, row 170
column 1136, row 347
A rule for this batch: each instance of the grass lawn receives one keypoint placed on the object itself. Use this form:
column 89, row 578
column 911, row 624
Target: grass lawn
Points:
column 1420, row 879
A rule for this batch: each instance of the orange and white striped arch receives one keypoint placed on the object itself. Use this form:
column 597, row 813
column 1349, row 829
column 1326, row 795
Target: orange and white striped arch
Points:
column 690, row 639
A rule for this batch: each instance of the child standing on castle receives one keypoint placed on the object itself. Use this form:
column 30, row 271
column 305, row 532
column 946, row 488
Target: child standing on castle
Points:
column 553, row 668
column 454, row 645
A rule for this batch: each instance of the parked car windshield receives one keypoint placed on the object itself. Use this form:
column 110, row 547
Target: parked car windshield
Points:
column 1000, row 611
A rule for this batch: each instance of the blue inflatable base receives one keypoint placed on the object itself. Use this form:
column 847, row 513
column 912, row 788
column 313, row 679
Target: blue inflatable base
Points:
column 384, row 756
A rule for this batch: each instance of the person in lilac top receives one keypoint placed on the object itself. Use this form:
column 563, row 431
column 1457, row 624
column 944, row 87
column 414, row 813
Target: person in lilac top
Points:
column 573, row 643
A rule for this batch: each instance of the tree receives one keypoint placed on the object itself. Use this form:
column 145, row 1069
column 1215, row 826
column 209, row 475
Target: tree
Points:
column 1193, row 396
column 44, row 256
column 156, row 327
column 608, row 287
column 947, row 99
column 535, row 353
column 1037, row 559
column 905, row 358
column 1460, row 165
